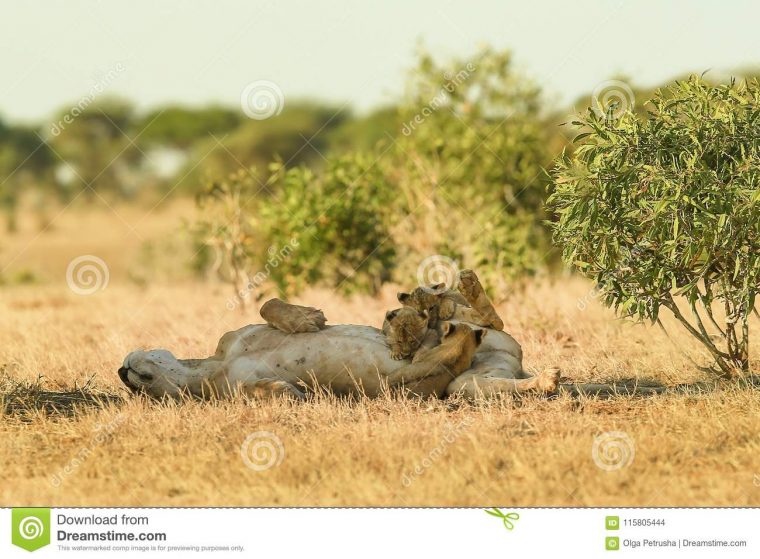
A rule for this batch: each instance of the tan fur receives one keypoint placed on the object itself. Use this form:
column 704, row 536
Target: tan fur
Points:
column 439, row 302
column 469, row 304
column 292, row 318
column 405, row 330
column 443, row 363
column 345, row 359
column 473, row 292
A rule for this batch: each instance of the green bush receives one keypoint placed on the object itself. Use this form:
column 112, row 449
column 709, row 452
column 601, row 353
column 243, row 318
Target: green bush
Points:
column 667, row 208
column 462, row 176
column 340, row 221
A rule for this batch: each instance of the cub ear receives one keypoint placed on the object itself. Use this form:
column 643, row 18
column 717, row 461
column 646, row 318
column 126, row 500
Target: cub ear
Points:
column 479, row 335
column 438, row 287
column 423, row 315
column 403, row 297
column 448, row 329
column 390, row 315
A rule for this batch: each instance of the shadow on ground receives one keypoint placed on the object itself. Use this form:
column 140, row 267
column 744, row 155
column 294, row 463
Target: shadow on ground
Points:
column 27, row 400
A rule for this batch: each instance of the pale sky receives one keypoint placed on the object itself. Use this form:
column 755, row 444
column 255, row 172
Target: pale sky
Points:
column 54, row 52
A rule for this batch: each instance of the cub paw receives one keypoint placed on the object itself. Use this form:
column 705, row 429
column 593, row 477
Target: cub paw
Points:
column 469, row 284
column 397, row 355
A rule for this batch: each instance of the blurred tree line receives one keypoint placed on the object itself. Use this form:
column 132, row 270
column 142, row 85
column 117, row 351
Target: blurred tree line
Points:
column 456, row 167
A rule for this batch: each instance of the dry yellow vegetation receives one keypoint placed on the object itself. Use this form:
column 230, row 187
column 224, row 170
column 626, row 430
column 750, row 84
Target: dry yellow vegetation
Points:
column 685, row 449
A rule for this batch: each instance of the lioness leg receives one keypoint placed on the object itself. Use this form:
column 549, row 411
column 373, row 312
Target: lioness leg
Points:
column 469, row 286
column 292, row 318
column 475, row 386
column 268, row 387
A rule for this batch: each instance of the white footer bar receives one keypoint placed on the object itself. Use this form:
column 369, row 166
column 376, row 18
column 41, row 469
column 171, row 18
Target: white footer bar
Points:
column 381, row 533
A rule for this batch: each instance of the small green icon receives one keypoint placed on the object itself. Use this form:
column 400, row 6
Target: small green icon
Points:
column 507, row 518
column 612, row 523
column 612, row 543
column 30, row 528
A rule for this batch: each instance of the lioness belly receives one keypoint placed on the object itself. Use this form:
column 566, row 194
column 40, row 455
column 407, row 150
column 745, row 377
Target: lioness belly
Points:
column 347, row 359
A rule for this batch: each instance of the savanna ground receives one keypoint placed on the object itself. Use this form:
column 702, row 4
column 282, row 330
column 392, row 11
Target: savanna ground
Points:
column 59, row 447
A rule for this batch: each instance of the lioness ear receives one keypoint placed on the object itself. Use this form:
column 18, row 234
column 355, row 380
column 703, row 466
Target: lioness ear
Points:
column 403, row 297
column 448, row 328
column 390, row 315
column 479, row 335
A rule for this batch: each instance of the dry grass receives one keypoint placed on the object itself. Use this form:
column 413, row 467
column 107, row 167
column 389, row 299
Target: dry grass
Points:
column 70, row 435
column 698, row 449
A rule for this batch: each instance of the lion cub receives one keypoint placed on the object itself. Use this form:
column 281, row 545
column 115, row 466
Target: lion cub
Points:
column 292, row 318
column 442, row 363
column 406, row 330
column 439, row 302
column 469, row 304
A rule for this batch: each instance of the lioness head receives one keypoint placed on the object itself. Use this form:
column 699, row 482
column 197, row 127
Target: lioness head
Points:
column 405, row 329
column 156, row 373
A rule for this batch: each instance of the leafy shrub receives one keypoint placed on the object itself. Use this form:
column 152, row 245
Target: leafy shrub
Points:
column 462, row 176
column 469, row 163
column 340, row 220
column 667, row 208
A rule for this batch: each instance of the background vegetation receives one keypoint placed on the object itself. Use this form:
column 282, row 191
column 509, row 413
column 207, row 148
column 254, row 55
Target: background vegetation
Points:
column 456, row 167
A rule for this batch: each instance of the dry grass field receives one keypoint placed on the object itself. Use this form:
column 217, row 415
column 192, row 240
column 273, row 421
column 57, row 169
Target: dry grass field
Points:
column 689, row 448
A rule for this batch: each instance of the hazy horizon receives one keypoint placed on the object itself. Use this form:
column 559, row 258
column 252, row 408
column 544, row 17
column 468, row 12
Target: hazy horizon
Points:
column 343, row 53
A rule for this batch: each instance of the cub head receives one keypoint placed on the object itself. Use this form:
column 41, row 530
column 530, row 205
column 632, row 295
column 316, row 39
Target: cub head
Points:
column 423, row 298
column 405, row 328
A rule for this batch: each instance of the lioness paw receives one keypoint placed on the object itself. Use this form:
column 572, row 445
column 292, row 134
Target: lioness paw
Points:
column 548, row 380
